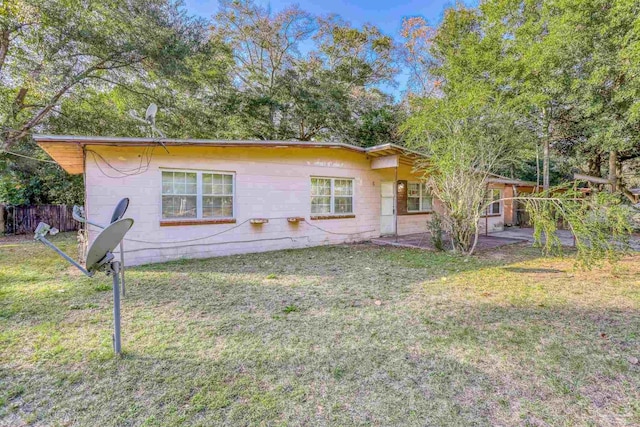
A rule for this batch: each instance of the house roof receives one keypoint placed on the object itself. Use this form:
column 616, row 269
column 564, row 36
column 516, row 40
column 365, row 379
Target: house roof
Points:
column 67, row 150
column 499, row 179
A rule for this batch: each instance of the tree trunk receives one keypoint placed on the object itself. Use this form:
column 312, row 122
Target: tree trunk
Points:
column 595, row 165
column 545, row 164
column 613, row 166
column 4, row 47
column 545, row 149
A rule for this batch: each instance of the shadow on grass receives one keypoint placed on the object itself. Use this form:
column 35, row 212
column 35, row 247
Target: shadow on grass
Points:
column 353, row 366
column 345, row 335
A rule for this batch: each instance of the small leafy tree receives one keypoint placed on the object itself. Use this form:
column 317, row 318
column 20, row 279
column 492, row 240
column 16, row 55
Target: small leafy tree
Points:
column 464, row 142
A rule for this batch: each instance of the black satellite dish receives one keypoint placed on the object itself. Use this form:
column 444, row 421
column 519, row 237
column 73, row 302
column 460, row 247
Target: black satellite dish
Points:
column 99, row 257
column 120, row 209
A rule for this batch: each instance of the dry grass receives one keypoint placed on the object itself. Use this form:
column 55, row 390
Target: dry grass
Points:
column 346, row 335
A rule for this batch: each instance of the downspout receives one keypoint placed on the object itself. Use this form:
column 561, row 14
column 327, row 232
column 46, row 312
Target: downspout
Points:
column 395, row 203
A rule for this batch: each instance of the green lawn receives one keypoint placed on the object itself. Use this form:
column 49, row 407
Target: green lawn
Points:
column 342, row 335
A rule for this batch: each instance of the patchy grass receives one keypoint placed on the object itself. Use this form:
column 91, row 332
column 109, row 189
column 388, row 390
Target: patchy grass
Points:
column 343, row 335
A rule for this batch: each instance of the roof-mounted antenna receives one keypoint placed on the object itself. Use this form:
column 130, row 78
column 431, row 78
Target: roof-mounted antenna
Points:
column 118, row 213
column 99, row 257
column 150, row 119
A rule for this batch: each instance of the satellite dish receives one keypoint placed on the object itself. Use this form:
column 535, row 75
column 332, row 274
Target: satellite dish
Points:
column 100, row 257
column 150, row 119
column 150, row 115
column 120, row 209
column 106, row 242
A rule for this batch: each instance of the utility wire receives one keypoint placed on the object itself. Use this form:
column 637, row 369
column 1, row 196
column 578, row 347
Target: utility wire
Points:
column 145, row 161
column 233, row 228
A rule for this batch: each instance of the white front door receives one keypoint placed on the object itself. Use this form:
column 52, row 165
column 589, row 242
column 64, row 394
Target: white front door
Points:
column 387, row 208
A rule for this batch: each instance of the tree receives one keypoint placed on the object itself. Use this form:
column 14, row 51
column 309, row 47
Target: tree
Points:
column 70, row 68
column 284, row 93
column 507, row 74
column 51, row 50
column 566, row 67
column 465, row 141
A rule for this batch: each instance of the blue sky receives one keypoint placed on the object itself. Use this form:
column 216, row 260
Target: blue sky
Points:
column 387, row 15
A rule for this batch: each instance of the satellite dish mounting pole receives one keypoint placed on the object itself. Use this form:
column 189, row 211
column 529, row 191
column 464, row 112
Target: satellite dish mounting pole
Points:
column 124, row 293
column 114, row 270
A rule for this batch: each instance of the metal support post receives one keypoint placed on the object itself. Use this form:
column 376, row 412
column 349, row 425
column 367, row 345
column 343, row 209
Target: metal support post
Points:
column 115, row 271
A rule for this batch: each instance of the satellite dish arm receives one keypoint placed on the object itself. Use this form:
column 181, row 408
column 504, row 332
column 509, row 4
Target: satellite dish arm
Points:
column 63, row 255
column 78, row 215
column 133, row 115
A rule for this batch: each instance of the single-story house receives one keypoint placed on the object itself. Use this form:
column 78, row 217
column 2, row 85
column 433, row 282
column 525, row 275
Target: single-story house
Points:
column 203, row 198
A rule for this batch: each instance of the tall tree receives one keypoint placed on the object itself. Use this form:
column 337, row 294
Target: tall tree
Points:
column 51, row 50
column 287, row 93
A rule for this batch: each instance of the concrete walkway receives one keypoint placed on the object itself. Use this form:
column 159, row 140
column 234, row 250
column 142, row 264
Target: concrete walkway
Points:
column 423, row 241
column 494, row 240
column 566, row 238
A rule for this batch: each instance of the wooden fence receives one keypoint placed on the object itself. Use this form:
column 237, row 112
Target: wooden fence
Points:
column 25, row 219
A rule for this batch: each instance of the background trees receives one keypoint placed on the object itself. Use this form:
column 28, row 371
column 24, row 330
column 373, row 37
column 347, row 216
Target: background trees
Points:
column 564, row 73
column 566, row 69
column 553, row 78
column 78, row 68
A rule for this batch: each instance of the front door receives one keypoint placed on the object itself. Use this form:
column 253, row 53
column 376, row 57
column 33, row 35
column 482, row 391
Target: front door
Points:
column 387, row 208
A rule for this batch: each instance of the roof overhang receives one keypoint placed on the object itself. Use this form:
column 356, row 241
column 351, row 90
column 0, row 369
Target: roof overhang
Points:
column 405, row 156
column 67, row 150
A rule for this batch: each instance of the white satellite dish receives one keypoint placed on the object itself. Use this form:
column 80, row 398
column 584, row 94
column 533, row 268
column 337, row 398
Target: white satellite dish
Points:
column 150, row 119
column 150, row 115
column 105, row 243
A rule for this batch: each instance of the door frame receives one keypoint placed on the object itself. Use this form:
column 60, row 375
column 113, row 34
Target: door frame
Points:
column 394, row 208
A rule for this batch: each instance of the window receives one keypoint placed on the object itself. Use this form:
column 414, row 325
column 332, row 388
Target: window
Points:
column 331, row 196
column 179, row 194
column 217, row 195
column 494, row 208
column 196, row 195
column 418, row 197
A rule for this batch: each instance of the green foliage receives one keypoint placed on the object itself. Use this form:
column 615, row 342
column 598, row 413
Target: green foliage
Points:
column 465, row 141
column 72, row 69
column 600, row 223
column 566, row 68
column 327, row 93
column 52, row 50
column 435, row 231
column 555, row 75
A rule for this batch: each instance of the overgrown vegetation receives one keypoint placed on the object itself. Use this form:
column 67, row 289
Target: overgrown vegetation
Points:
column 511, row 81
column 342, row 335
column 464, row 142
column 601, row 224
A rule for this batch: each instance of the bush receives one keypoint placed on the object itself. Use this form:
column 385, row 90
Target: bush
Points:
column 435, row 230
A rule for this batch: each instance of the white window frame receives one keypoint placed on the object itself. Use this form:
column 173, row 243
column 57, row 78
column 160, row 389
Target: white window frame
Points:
column 490, row 197
column 420, row 195
column 199, row 195
column 332, row 203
